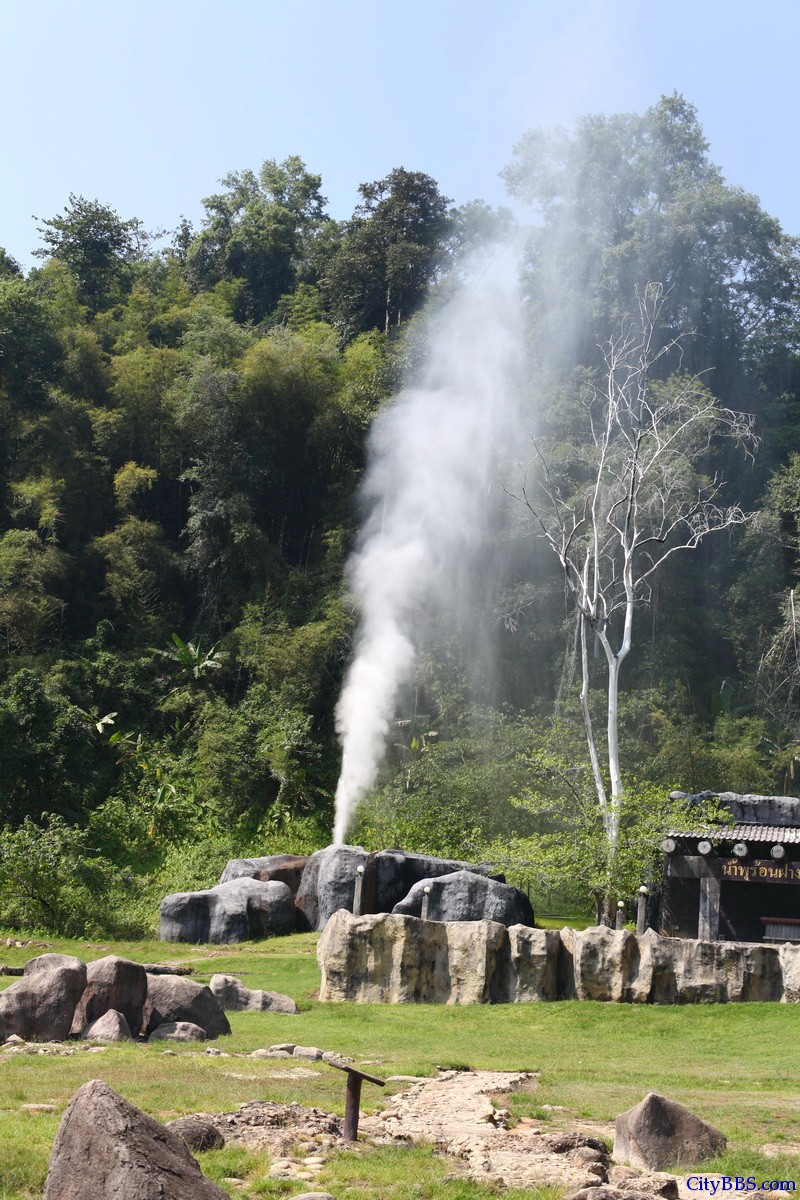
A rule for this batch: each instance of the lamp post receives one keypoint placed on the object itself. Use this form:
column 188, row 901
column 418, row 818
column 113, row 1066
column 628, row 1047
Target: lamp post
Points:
column 641, row 910
column 358, row 894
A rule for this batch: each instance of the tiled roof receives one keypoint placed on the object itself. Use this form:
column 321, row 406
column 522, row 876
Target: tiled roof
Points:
column 743, row 833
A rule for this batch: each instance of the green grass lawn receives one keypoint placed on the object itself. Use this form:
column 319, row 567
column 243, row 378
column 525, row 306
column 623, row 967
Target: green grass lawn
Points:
column 735, row 1065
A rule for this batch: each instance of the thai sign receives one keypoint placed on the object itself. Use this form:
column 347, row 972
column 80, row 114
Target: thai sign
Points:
column 761, row 870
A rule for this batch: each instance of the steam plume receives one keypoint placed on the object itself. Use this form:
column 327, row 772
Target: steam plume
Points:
column 431, row 459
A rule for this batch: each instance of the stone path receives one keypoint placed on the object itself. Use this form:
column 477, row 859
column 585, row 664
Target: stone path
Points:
column 455, row 1112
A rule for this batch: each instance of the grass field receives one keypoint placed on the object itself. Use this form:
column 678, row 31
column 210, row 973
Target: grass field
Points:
column 735, row 1065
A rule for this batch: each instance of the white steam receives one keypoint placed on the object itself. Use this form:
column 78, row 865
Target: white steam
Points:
column 432, row 459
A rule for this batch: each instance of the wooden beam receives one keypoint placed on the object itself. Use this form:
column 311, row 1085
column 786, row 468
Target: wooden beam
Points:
column 693, row 866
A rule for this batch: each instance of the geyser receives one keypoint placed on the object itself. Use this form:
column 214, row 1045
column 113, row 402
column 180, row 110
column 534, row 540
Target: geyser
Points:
column 432, row 456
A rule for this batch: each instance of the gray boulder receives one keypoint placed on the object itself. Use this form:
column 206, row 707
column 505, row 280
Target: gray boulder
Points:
column 661, row 1133
column 105, row 1147
column 176, row 998
column 396, row 872
column 281, row 868
column 329, row 880
column 177, row 1031
column 235, row 997
column 237, row 911
column 112, row 983
column 328, row 883
column 42, row 1003
column 465, row 896
column 111, row 1027
column 53, row 962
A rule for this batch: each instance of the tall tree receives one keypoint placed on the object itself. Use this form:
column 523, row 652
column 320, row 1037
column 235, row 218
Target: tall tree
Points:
column 97, row 245
column 390, row 252
column 622, row 501
column 258, row 231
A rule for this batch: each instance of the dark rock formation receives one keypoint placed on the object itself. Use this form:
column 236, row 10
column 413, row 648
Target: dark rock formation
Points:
column 465, row 896
column 106, row 1148
column 42, row 1003
column 112, row 983
column 328, row 883
column 175, row 998
column 329, row 880
column 235, row 997
column 660, row 1133
column 237, row 911
column 396, row 872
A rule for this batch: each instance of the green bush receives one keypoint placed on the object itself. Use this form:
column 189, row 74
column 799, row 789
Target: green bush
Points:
column 52, row 881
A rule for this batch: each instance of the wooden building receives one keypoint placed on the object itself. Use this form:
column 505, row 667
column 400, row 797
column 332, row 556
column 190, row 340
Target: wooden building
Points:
column 738, row 881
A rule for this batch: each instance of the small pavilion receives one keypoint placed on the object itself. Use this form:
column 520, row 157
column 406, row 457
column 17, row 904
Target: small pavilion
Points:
column 738, row 880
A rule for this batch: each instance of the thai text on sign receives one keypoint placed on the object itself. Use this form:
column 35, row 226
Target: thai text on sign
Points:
column 763, row 870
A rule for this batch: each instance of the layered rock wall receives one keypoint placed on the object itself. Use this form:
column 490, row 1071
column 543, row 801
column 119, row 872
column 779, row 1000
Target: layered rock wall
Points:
column 395, row 959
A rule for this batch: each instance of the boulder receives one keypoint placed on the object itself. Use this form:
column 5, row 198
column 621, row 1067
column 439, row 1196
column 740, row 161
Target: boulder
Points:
column 197, row 1131
column 661, row 1133
column 465, row 896
column 237, row 911
column 111, row 1027
column 177, row 1031
column 105, row 1147
column 393, row 959
column 396, row 872
column 42, row 1003
column 235, row 997
column 790, row 973
column 607, row 965
column 281, row 868
column 176, row 998
column 328, row 883
column 533, row 958
column 112, row 983
column 52, row 962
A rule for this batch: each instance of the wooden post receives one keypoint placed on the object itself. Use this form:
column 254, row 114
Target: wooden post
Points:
column 426, row 900
column 352, row 1101
column 708, row 923
column 352, row 1104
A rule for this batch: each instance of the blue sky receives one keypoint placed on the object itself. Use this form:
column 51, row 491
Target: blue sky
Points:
column 145, row 105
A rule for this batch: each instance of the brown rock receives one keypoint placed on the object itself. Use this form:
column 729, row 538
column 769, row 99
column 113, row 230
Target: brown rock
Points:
column 178, row 1031
column 660, row 1133
column 175, row 998
column 197, row 1131
column 42, row 1003
column 112, row 982
column 105, row 1147
column 111, row 1027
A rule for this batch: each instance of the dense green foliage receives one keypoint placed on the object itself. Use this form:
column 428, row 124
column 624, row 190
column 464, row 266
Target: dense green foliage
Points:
column 182, row 436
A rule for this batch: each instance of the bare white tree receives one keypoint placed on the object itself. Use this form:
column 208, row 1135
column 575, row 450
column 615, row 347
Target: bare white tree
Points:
column 616, row 506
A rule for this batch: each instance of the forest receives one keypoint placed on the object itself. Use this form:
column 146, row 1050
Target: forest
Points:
column 184, row 422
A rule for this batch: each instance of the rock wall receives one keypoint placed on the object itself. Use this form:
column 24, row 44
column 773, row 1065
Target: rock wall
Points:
column 394, row 959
